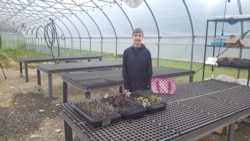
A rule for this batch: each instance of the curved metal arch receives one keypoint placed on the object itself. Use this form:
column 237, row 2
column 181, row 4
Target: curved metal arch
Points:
column 77, row 30
column 20, row 30
column 24, row 7
column 17, row 28
column 58, row 20
column 35, row 38
column 38, row 29
column 7, row 9
column 28, row 30
column 29, row 36
column 65, row 25
column 242, row 32
column 240, row 8
column 56, row 26
column 131, row 25
column 112, row 27
column 37, row 32
column 158, row 32
column 94, row 23
column 240, row 11
column 41, row 39
column 70, row 20
column 55, row 18
column 11, row 15
column 33, row 35
column 192, row 29
column 33, row 30
column 40, row 26
column 35, row 9
column 67, row 30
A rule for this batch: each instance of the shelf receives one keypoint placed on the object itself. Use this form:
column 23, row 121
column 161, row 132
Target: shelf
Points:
column 232, row 66
column 237, row 63
column 241, row 63
column 228, row 18
column 246, row 47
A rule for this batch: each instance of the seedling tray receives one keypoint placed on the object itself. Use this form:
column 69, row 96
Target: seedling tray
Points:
column 97, row 120
column 161, row 106
column 128, row 108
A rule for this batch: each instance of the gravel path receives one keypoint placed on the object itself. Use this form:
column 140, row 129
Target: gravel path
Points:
column 28, row 115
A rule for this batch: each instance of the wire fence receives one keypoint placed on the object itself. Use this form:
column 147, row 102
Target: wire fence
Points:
column 170, row 47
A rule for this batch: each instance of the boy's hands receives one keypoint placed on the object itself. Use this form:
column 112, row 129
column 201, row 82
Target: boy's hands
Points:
column 127, row 92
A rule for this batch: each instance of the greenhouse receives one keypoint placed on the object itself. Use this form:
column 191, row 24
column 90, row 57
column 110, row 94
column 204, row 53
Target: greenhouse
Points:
column 199, row 51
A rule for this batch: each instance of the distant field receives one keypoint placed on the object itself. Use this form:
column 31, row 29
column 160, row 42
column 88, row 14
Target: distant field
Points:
column 14, row 53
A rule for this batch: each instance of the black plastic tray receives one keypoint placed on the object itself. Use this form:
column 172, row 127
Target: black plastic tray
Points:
column 241, row 63
column 150, row 109
column 96, row 122
column 131, row 110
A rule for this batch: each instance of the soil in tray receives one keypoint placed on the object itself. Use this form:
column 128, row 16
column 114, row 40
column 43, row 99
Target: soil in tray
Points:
column 128, row 108
column 96, row 113
column 152, row 102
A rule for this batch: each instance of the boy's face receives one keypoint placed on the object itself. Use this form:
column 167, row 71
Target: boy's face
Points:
column 137, row 38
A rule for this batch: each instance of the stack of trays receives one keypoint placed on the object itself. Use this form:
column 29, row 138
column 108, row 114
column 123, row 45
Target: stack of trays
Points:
column 234, row 62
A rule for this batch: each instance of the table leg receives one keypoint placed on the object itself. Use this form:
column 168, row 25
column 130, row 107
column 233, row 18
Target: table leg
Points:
column 21, row 69
column 68, row 132
column 120, row 89
column 26, row 72
column 87, row 95
column 230, row 132
column 248, row 77
column 191, row 78
column 50, row 85
column 38, row 79
column 65, row 92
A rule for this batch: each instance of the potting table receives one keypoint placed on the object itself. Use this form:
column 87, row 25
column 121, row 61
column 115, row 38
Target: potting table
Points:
column 71, row 67
column 27, row 60
column 196, row 109
column 93, row 80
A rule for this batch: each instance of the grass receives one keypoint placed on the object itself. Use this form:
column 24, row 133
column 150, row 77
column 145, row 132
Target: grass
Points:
column 14, row 53
column 7, row 55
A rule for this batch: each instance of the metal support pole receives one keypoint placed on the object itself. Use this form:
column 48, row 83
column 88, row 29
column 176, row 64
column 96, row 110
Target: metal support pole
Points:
column 3, row 71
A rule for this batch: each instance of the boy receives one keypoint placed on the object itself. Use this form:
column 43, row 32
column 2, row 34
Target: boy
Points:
column 137, row 64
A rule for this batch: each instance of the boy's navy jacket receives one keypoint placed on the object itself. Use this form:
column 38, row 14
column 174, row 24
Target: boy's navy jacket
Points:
column 137, row 68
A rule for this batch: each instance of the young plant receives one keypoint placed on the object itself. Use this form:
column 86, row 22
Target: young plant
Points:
column 149, row 101
column 97, row 110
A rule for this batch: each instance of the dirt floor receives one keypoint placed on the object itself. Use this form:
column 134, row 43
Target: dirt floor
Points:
column 27, row 114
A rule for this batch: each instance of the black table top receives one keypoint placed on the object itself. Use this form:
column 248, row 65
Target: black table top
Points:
column 100, row 79
column 194, row 113
column 49, row 58
column 78, row 66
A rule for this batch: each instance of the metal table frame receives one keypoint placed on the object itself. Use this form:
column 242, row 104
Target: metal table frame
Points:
column 49, row 69
column 187, row 104
column 115, row 78
column 69, row 125
column 163, row 72
column 26, row 61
